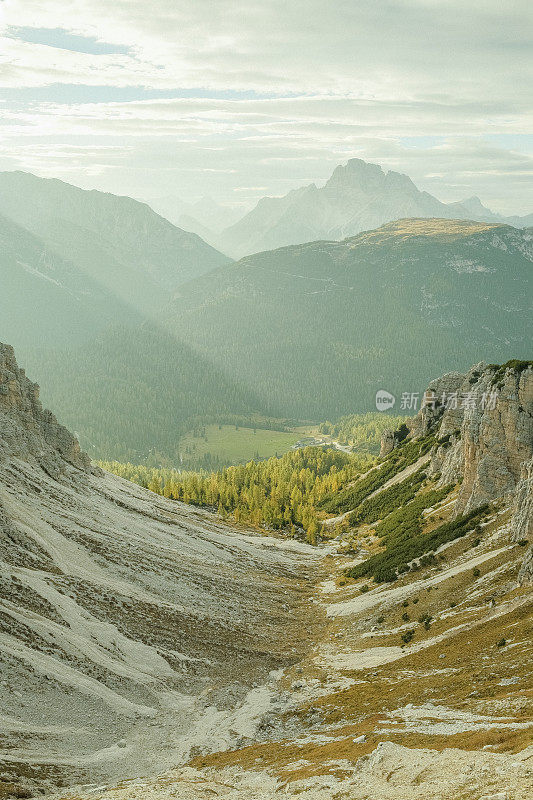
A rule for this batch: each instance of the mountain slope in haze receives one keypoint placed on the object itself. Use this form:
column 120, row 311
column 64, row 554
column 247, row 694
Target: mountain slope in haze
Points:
column 320, row 327
column 475, row 210
column 128, row 388
column 45, row 299
column 76, row 293
column 132, row 628
column 116, row 241
column 358, row 196
column 205, row 217
column 132, row 392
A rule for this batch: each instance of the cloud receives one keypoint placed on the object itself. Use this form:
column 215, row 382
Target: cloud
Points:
column 270, row 93
column 391, row 49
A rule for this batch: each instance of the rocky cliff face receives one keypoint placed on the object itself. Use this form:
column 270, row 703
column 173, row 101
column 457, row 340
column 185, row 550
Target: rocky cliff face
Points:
column 522, row 523
column 493, row 425
column 483, row 422
column 28, row 430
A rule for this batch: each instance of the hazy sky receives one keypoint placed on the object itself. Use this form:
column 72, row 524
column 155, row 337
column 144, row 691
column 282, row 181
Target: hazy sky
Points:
column 241, row 99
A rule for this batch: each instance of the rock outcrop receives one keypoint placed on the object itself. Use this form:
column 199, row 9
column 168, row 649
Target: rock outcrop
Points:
column 522, row 521
column 483, row 423
column 391, row 439
column 29, row 431
column 490, row 433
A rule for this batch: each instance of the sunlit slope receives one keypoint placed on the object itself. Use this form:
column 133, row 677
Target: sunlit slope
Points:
column 133, row 630
column 45, row 299
column 116, row 241
column 321, row 326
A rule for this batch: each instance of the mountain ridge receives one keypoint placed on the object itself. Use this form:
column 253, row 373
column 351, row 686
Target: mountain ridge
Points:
column 321, row 326
column 116, row 240
column 358, row 196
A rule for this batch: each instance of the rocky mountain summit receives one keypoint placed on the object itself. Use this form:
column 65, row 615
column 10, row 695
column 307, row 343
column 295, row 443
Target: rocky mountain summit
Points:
column 358, row 196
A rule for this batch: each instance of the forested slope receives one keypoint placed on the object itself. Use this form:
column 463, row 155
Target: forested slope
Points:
column 321, row 327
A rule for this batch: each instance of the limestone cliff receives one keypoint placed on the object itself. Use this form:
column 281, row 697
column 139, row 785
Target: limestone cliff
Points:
column 490, row 433
column 522, row 522
column 483, row 424
column 28, row 430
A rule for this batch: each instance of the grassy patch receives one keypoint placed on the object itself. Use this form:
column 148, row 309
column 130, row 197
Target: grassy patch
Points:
column 231, row 444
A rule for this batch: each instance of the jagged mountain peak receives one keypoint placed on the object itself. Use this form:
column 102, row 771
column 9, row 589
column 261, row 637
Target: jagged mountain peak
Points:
column 474, row 207
column 355, row 171
column 367, row 177
column 358, row 196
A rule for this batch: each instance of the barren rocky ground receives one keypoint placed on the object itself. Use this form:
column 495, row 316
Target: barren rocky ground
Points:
column 149, row 650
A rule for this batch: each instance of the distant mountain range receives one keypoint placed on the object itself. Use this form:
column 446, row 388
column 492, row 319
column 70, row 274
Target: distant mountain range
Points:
column 205, row 217
column 137, row 329
column 118, row 242
column 318, row 328
column 83, row 277
column 358, row 196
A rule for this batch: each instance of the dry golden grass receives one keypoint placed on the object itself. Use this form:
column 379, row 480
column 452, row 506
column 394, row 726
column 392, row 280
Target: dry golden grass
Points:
column 442, row 229
column 462, row 672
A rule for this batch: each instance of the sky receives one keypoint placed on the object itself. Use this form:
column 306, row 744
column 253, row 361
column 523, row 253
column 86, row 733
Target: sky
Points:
column 236, row 100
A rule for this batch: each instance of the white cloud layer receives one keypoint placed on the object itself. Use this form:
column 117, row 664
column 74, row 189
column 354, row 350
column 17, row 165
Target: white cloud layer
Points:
column 278, row 93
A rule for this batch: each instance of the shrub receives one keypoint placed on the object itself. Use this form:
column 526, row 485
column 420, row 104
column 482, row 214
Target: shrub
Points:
column 502, row 642
column 352, row 496
column 523, row 543
column 385, row 502
column 380, row 620
column 407, row 636
column 514, row 364
column 476, row 572
column 407, row 542
column 364, row 588
column 428, row 560
column 406, row 617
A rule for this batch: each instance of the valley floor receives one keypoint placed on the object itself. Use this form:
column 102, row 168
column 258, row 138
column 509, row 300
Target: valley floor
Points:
column 134, row 631
column 448, row 716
